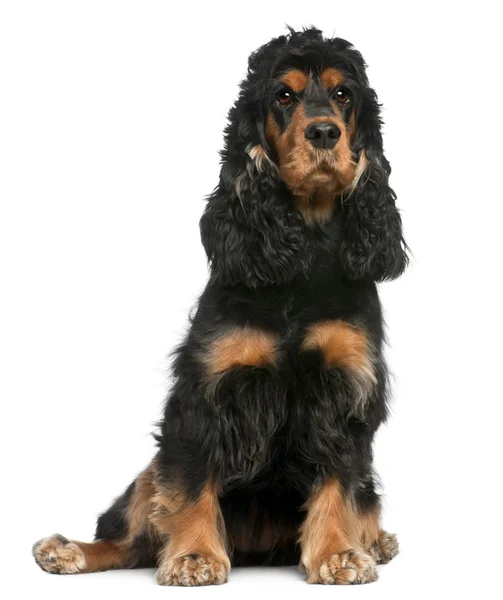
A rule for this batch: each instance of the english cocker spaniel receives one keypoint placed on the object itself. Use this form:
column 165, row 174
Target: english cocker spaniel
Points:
column 265, row 447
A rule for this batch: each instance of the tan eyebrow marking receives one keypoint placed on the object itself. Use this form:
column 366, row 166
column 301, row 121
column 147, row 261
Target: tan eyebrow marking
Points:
column 331, row 78
column 295, row 79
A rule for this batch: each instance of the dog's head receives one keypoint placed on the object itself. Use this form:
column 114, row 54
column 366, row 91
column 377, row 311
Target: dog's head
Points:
column 303, row 142
column 310, row 128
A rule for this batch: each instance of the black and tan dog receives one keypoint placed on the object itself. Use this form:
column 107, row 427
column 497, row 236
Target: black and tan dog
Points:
column 265, row 449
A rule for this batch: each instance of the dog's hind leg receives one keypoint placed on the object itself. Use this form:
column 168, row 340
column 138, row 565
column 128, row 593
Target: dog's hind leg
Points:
column 124, row 536
column 383, row 546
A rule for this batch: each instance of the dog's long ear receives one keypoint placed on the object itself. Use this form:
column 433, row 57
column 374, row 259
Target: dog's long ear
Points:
column 250, row 232
column 372, row 242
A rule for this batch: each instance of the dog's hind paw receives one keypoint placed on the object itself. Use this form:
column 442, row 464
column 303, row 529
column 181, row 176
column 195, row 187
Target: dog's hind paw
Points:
column 385, row 547
column 56, row 554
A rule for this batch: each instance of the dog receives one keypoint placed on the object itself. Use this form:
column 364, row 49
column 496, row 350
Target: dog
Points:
column 264, row 451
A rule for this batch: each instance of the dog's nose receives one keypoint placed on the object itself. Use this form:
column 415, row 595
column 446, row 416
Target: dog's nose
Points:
column 323, row 135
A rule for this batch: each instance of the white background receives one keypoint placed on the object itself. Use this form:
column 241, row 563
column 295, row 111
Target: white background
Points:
column 111, row 116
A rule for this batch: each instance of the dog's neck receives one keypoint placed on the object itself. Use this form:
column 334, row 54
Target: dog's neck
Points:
column 316, row 208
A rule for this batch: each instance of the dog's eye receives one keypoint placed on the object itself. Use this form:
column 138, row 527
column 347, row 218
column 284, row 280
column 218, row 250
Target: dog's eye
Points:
column 341, row 94
column 284, row 98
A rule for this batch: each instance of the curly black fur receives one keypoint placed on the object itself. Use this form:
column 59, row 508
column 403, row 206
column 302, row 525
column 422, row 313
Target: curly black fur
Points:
column 287, row 428
column 270, row 433
column 372, row 244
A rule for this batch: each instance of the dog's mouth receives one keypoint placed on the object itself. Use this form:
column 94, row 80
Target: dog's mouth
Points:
column 325, row 165
column 325, row 158
column 324, row 171
column 308, row 169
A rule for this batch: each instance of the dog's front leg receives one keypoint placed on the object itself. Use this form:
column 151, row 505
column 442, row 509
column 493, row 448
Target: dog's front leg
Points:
column 194, row 538
column 330, row 540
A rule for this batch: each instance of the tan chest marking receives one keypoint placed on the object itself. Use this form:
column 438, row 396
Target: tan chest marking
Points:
column 343, row 345
column 240, row 347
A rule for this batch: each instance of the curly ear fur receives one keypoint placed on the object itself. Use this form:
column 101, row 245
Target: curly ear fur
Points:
column 372, row 243
column 249, row 230
column 249, row 235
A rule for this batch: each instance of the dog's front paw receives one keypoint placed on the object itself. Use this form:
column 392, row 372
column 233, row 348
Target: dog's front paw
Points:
column 191, row 570
column 345, row 568
column 56, row 554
